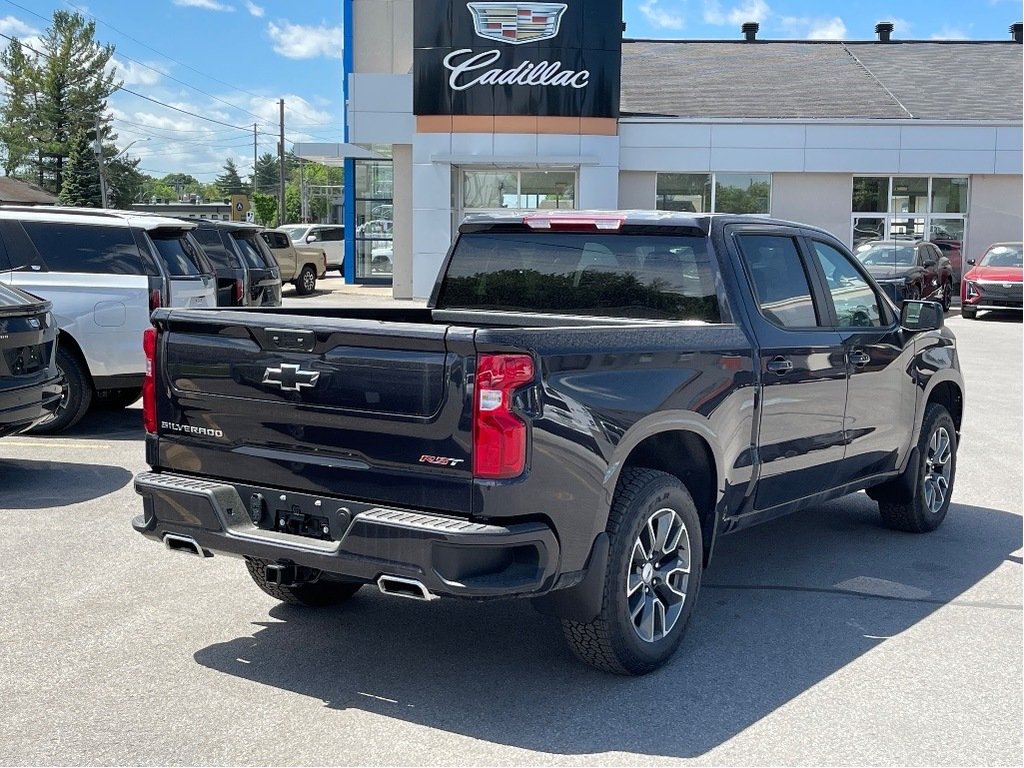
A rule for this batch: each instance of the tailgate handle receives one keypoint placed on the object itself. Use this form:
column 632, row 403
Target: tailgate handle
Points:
column 293, row 341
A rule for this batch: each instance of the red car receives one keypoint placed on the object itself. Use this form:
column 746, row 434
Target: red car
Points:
column 995, row 282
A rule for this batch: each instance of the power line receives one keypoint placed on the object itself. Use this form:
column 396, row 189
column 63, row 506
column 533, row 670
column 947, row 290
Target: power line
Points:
column 136, row 93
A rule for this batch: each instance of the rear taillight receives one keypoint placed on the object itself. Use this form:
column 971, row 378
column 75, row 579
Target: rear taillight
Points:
column 149, row 382
column 238, row 293
column 499, row 435
column 156, row 299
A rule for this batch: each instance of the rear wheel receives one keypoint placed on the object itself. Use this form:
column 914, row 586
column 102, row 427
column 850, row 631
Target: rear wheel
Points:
column 654, row 573
column 314, row 594
column 305, row 283
column 76, row 395
column 947, row 296
column 936, row 474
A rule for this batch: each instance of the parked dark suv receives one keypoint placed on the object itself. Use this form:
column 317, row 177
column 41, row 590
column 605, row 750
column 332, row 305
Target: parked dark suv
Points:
column 247, row 273
column 30, row 387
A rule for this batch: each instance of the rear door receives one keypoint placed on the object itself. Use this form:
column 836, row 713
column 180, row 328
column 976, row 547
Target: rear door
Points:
column 281, row 246
column 231, row 274
column 803, row 368
column 356, row 409
column 264, row 274
column 191, row 280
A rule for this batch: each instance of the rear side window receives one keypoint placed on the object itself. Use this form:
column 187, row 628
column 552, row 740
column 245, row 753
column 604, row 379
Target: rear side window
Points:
column 251, row 252
column 276, row 240
column 657, row 277
column 781, row 285
column 331, row 234
column 178, row 253
column 86, row 249
column 215, row 249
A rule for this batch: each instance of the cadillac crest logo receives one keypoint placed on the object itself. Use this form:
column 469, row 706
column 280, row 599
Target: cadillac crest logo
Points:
column 517, row 23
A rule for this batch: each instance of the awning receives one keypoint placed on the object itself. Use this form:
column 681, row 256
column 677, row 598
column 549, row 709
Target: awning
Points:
column 334, row 154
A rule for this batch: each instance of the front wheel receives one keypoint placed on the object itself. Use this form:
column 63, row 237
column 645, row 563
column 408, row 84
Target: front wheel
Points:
column 305, row 283
column 313, row 594
column 947, row 296
column 936, row 473
column 654, row 573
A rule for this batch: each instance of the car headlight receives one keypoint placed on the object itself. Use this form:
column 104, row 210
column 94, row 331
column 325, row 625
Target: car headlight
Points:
column 972, row 291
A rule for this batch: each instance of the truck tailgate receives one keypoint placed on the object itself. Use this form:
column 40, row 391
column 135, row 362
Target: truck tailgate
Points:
column 354, row 408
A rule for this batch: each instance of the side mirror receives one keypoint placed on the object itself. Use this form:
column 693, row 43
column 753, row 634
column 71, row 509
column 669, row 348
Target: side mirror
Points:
column 916, row 316
column 929, row 263
column 972, row 262
column 310, row 239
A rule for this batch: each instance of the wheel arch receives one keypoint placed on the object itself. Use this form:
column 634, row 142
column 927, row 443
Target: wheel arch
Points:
column 683, row 446
column 69, row 342
column 949, row 394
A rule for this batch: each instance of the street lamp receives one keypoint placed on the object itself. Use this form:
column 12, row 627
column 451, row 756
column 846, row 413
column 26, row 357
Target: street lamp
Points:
column 104, row 202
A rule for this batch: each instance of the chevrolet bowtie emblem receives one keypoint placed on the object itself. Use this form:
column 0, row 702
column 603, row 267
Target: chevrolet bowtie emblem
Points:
column 517, row 23
column 290, row 378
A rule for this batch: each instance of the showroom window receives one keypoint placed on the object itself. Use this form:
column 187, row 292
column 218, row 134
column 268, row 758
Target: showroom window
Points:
column 715, row 192
column 374, row 213
column 912, row 207
column 517, row 189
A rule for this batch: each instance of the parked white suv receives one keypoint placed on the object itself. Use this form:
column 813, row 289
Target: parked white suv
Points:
column 330, row 237
column 104, row 272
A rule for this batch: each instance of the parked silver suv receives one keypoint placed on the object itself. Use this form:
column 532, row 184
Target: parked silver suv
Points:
column 104, row 271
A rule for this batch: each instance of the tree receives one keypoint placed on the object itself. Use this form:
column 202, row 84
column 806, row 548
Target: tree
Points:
column 16, row 114
column 73, row 81
column 267, row 174
column 125, row 183
column 81, row 179
column 265, row 209
column 157, row 189
column 230, row 183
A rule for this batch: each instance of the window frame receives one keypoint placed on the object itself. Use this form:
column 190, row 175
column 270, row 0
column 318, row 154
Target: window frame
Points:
column 712, row 177
column 885, row 313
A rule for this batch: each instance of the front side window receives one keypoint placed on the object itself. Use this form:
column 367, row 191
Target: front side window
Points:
column 855, row 302
column 781, row 285
column 86, row 249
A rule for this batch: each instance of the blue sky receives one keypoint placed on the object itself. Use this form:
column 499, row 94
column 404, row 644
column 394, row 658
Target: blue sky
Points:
column 231, row 60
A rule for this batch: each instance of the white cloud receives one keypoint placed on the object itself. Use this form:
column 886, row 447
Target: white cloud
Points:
column 15, row 27
column 748, row 10
column 209, row 5
column 950, row 33
column 295, row 41
column 659, row 17
column 135, row 74
column 254, row 9
column 814, row 28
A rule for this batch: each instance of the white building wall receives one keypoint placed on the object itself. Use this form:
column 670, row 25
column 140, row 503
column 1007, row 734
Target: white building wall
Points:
column 638, row 190
column 822, row 199
column 995, row 213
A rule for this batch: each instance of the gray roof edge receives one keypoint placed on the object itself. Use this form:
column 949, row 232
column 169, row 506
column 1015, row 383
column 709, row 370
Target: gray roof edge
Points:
column 874, row 121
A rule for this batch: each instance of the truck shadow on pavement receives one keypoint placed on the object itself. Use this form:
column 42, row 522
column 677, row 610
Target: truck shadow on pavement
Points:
column 783, row 607
column 44, row 484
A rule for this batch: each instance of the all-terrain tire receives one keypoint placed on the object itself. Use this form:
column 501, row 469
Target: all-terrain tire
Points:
column 76, row 396
column 314, row 594
column 646, row 500
column 936, row 475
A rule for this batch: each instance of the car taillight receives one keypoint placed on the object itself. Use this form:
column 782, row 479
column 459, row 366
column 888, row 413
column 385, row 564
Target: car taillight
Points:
column 149, row 382
column 156, row 299
column 570, row 220
column 238, row 293
column 499, row 435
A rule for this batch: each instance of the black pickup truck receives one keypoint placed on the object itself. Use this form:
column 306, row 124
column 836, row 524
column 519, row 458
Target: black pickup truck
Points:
column 587, row 402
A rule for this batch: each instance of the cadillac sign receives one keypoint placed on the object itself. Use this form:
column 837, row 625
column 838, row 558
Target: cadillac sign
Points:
column 517, row 58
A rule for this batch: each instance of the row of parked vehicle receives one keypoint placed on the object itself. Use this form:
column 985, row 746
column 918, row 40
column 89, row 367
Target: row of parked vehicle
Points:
column 79, row 286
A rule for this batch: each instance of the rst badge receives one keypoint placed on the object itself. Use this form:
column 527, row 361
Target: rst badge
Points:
column 517, row 23
column 290, row 378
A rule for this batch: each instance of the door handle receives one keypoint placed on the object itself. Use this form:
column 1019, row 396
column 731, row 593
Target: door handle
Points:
column 779, row 365
column 859, row 358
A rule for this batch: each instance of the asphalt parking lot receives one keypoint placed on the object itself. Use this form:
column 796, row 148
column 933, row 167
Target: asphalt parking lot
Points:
column 819, row 639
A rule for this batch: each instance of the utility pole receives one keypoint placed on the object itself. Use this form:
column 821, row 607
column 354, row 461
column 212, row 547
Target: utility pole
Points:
column 280, row 152
column 255, row 160
column 97, row 149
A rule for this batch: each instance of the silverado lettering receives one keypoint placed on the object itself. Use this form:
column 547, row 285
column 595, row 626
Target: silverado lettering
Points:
column 588, row 401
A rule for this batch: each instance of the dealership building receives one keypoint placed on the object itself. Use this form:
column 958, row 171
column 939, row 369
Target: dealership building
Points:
column 454, row 107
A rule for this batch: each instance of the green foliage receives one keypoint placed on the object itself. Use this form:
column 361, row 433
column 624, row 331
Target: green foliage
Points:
column 230, row 183
column 265, row 209
column 157, row 189
column 125, row 184
column 81, row 180
column 753, row 199
column 51, row 99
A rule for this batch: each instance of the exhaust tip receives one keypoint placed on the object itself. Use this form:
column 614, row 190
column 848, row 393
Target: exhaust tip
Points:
column 410, row 589
column 175, row 542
